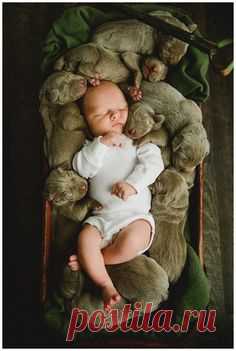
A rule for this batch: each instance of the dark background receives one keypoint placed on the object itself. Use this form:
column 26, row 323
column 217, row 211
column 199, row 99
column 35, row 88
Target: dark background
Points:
column 25, row 26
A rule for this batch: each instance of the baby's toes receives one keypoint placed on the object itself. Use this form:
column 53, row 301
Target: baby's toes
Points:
column 73, row 258
column 74, row 266
column 73, row 263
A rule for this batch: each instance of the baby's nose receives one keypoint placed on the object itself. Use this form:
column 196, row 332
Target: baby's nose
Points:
column 114, row 115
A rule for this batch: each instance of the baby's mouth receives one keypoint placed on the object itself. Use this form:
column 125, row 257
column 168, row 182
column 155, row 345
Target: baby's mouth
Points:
column 118, row 125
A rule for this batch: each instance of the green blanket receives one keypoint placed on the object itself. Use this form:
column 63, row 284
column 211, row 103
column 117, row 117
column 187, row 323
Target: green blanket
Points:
column 74, row 28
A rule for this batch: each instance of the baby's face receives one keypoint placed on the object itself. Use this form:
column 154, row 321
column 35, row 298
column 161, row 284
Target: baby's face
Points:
column 105, row 109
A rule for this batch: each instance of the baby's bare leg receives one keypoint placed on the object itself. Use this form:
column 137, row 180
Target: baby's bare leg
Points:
column 91, row 259
column 129, row 242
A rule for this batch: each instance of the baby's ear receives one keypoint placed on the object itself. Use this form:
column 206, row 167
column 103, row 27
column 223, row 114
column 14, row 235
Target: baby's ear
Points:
column 159, row 120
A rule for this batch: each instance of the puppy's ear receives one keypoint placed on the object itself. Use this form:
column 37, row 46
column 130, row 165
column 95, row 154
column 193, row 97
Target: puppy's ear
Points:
column 59, row 64
column 159, row 187
column 159, row 120
column 64, row 166
column 52, row 95
column 176, row 143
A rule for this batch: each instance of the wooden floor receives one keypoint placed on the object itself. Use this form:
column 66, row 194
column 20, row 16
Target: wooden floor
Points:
column 25, row 27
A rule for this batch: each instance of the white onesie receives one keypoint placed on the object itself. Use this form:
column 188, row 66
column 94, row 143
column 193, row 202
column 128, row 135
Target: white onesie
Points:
column 106, row 165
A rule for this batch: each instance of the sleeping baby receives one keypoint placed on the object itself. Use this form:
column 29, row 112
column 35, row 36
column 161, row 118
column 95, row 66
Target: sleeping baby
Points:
column 119, row 174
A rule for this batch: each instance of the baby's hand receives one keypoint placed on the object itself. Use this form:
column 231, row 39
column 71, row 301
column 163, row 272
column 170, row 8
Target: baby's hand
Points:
column 123, row 190
column 112, row 139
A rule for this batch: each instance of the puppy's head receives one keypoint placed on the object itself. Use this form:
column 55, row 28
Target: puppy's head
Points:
column 190, row 147
column 170, row 189
column 63, row 87
column 64, row 186
column 141, row 120
column 154, row 70
column 171, row 50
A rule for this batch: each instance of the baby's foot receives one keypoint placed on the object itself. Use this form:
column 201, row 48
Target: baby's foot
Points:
column 96, row 80
column 73, row 263
column 110, row 297
column 135, row 93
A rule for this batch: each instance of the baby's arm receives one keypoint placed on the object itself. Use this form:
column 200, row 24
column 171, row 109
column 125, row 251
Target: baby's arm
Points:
column 89, row 159
column 148, row 168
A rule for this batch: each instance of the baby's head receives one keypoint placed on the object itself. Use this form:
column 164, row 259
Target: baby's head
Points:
column 105, row 109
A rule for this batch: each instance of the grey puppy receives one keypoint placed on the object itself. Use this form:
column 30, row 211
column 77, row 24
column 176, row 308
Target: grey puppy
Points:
column 189, row 147
column 126, row 35
column 65, row 127
column 170, row 49
column 67, row 190
column 95, row 63
column 79, row 291
column 61, row 88
column 162, row 103
column 182, row 118
column 169, row 208
column 140, row 38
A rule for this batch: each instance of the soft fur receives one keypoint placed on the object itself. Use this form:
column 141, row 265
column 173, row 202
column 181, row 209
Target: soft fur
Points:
column 61, row 88
column 138, row 37
column 66, row 132
column 170, row 49
column 163, row 104
column 126, row 36
column 189, row 147
column 65, row 189
column 169, row 207
column 65, row 127
column 154, row 70
column 160, row 98
column 90, row 60
column 94, row 61
column 126, row 277
column 158, row 137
